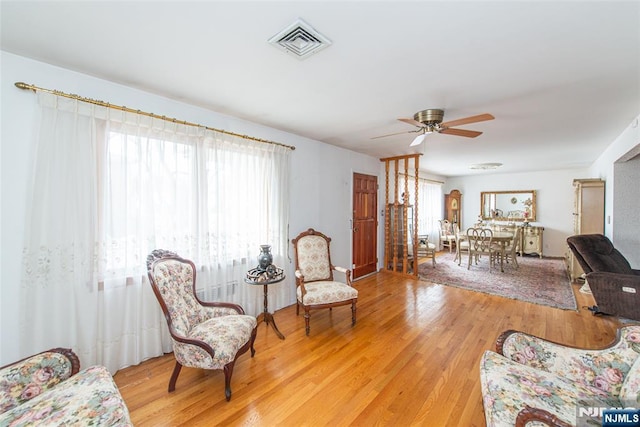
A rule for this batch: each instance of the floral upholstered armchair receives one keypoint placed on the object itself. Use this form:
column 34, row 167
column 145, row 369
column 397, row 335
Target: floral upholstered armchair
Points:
column 49, row 389
column 206, row 335
column 532, row 382
column 314, row 277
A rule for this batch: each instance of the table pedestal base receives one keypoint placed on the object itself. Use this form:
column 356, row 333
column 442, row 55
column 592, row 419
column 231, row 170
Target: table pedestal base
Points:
column 268, row 319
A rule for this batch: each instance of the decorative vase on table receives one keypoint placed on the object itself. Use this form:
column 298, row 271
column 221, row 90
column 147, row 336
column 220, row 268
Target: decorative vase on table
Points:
column 265, row 259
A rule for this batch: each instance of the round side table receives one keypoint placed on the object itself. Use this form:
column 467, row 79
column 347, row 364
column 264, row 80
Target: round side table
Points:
column 256, row 276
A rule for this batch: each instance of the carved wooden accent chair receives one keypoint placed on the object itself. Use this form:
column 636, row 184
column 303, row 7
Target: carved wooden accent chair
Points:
column 316, row 287
column 206, row 335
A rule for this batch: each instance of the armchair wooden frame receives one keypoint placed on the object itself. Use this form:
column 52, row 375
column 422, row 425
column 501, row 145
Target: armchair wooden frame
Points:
column 302, row 283
column 161, row 255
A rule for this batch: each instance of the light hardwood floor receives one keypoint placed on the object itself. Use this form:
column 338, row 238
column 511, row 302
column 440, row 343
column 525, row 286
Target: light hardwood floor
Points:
column 411, row 359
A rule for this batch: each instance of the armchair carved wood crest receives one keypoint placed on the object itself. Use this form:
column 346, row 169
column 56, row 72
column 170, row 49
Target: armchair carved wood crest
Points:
column 206, row 335
column 316, row 287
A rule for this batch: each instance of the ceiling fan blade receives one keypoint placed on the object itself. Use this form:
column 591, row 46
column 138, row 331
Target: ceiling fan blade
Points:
column 412, row 122
column 392, row 134
column 467, row 120
column 461, row 132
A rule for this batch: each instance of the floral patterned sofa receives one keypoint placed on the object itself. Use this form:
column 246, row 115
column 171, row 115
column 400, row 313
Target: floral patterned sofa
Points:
column 49, row 389
column 533, row 382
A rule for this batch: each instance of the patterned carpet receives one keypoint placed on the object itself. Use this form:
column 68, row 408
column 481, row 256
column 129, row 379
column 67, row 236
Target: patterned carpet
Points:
column 539, row 281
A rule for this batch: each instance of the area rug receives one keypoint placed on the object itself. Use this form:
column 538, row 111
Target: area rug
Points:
column 542, row 281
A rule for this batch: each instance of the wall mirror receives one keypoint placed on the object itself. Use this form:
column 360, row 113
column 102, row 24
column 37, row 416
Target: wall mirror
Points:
column 508, row 205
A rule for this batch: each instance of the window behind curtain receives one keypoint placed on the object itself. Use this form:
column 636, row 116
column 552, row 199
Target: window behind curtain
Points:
column 429, row 206
column 207, row 200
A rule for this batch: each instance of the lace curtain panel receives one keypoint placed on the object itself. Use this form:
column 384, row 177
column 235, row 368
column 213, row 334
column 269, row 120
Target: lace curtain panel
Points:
column 107, row 188
column 429, row 207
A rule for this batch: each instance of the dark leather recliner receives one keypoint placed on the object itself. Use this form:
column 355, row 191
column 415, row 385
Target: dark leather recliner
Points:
column 614, row 284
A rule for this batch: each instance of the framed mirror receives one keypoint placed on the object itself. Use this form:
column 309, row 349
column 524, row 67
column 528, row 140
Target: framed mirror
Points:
column 508, row 205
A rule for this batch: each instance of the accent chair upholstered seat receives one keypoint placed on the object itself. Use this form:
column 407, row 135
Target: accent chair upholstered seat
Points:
column 49, row 389
column 614, row 284
column 530, row 381
column 316, row 287
column 206, row 335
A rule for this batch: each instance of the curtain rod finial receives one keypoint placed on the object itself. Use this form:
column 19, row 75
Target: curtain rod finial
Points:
column 22, row 85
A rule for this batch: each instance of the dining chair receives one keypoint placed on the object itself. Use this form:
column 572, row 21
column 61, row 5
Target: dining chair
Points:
column 480, row 244
column 510, row 252
column 462, row 245
column 510, row 249
column 447, row 236
column 426, row 249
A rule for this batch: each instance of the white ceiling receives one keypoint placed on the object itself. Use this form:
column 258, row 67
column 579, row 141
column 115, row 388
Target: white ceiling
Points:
column 561, row 78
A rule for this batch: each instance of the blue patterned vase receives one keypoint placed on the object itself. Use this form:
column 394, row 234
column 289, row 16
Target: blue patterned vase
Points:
column 265, row 258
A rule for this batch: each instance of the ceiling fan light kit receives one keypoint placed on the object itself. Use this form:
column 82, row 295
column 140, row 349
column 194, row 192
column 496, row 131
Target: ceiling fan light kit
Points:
column 418, row 140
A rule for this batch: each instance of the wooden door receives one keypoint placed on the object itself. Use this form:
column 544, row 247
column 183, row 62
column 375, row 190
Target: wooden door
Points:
column 365, row 224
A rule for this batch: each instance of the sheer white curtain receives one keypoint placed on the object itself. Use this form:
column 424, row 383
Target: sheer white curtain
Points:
column 109, row 187
column 429, row 206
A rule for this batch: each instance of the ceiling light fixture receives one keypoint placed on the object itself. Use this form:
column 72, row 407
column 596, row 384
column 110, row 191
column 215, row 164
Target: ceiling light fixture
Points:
column 419, row 139
column 425, row 131
column 485, row 166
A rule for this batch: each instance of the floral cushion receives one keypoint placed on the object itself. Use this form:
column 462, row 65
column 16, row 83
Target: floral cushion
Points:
column 175, row 282
column 508, row 386
column 88, row 398
column 26, row 379
column 225, row 334
column 630, row 391
column 313, row 258
column 602, row 370
column 325, row 292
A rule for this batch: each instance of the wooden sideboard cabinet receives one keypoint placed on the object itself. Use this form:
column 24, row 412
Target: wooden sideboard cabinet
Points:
column 531, row 240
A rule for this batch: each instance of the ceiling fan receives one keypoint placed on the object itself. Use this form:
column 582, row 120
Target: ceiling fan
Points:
column 430, row 121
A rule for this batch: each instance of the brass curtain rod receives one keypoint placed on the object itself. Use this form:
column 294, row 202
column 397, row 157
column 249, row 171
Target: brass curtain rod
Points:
column 34, row 88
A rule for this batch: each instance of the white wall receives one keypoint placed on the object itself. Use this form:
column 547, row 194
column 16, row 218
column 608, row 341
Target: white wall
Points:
column 603, row 167
column 554, row 200
column 321, row 174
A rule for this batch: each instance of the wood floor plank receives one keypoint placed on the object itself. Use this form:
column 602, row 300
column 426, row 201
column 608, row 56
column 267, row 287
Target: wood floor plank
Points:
column 412, row 359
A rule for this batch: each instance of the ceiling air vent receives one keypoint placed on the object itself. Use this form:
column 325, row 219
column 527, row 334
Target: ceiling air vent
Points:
column 300, row 40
